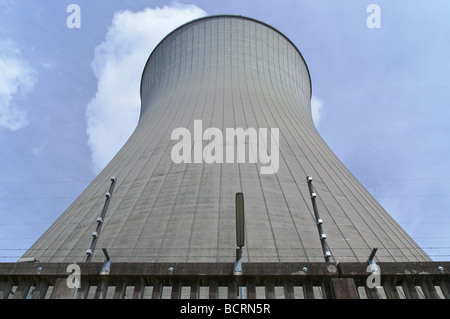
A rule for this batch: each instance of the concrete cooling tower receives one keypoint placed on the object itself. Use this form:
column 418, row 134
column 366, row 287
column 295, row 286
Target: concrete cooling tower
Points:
column 225, row 110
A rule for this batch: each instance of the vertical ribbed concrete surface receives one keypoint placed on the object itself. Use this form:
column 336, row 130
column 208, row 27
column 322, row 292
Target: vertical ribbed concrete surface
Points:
column 229, row 72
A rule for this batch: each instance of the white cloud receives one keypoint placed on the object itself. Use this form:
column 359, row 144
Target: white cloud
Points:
column 316, row 108
column 17, row 78
column 113, row 113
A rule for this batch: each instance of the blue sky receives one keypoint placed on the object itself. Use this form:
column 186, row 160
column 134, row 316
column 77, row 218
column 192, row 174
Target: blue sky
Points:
column 381, row 97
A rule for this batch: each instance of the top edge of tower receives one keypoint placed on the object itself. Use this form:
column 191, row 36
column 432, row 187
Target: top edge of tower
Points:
column 219, row 16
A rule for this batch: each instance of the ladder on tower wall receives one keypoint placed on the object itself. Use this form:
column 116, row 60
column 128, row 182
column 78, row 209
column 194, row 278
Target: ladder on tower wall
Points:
column 319, row 221
column 100, row 220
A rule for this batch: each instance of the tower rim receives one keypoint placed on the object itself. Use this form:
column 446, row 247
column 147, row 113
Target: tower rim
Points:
column 224, row 16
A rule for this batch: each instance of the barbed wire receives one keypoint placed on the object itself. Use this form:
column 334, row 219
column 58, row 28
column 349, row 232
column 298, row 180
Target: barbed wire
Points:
column 214, row 248
column 231, row 256
column 406, row 179
column 374, row 195
column 45, row 182
column 400, row 179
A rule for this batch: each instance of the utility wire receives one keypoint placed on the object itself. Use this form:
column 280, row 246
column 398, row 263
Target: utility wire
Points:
column 406, row 179
column 43, row 182
column 33, row 198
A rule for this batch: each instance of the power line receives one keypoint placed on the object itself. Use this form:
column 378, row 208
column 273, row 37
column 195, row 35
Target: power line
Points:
column 376, row 196
column 43, row 197
column 412, row 196
column 16, row 238
column 43, row 182
column 28, row 224
column 33, row 198
column 405, row 179
column 185, row 249
column 427, row 223
column 445, row 237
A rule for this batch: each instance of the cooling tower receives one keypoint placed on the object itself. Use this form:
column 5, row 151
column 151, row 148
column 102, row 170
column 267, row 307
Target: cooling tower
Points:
column 225, row 109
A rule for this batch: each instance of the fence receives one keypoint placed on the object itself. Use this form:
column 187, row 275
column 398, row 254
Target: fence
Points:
column 421, row 280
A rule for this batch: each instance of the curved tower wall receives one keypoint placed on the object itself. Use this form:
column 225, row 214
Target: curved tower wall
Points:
column 228, row 72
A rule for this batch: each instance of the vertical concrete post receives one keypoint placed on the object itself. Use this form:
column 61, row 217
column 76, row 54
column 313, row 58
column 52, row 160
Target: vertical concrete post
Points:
column 157, row 290
column 213, row 289
column 176, row 290
column 41, row 290
column 391, row 290
column 429, row 290
column 270, row 290
column 5, row 289
column 410, row 290
column 308, row 290
column 232, row 289
column 445, row 288
column 119, row 291
column 139, row 288
column 195, row 289
column 289, row 290
column 251, row 290
column 344, row 288
column 22, row 290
